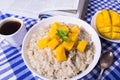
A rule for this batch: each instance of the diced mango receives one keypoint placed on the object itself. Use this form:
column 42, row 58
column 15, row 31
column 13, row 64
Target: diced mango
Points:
column 107, row 35
column 53, row 43
column 114, row 18
column 43, row 43
column 106, row 18
column 68, row 45
column 64, row 28
column 73, row 36
column 99, row 21
column 55, row 26
column 75, row 29
column 60, row 54
column 115, row 35
column 52, row 33
column 56, row 37
column 82, row 45
column 116, row 28
column 105, row 29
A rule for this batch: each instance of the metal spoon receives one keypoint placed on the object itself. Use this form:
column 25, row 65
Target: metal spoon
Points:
column 105, row 62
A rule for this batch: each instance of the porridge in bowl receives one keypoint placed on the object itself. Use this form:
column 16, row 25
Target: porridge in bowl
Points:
column 60, row 51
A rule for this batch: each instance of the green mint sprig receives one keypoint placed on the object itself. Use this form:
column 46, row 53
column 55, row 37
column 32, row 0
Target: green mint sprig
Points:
column 63, row 35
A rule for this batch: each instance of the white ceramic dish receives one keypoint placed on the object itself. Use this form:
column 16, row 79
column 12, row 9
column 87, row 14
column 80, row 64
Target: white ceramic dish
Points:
column 93, row 24
column 66, row 20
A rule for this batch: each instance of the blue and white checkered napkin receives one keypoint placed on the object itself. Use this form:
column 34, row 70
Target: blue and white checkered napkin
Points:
column 12, row 66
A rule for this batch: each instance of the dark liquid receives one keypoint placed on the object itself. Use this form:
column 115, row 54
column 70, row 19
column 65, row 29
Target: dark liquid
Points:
column 9, row 27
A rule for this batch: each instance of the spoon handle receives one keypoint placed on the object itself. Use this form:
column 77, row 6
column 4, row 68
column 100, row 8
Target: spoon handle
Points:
column 100, row 75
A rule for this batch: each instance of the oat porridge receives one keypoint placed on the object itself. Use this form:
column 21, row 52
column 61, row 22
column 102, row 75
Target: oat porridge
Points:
column 60, row 51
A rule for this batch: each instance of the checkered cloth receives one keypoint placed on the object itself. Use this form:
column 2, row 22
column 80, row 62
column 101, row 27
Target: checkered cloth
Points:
column 12, row 66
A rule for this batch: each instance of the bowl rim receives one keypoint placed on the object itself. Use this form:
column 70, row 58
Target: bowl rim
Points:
column 97, row 41
column 93, row 24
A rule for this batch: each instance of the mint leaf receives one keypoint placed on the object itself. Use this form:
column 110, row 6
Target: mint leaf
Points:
column 65, row 38
column 59, row 33
column 62, row 34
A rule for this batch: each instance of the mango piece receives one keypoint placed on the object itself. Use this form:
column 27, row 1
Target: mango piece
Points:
column 53, row 43
column 114, row 18
column 73, row 36
column 116, row 28
column 52, row 33
column 55, row 26
column 75, row 29
column 106, row 18
column 103, row 21
column 68, row 45
column 82, row 46
column 107, row 35
column 105, row 29
column 99, row 21
column 60, row 54
column 43, row 43
column 115, row 35
column 64, row 28
column 56, row 37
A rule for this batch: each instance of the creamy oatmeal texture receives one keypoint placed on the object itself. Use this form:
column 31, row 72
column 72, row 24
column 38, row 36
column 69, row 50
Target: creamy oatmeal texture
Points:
column 45, row 63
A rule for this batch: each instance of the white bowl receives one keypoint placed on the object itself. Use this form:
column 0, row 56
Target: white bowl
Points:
column 65, row 19
column 93, row 24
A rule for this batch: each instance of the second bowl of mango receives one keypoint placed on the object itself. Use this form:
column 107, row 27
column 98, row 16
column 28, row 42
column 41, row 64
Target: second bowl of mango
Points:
column 107, row 24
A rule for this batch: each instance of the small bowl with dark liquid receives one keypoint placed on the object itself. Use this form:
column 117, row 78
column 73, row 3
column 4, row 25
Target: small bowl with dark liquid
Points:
column 9, row 27
column 13, row 31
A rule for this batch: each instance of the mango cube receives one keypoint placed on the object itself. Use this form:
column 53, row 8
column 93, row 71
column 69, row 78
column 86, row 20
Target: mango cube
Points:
column 82, row 45
column 60, row 54
column 52, row 33
column 53, row 43
column 73, row 36
column 114, row 18
column 115, row 35
column 106, row 18
column 105, row 29
column 116, row 29
column 55, row 26
column 43, row 43
column 107, row 35
column 75, row 29
column 64, row 28
column 56, row 37
column 99, row 21
column 68, row 45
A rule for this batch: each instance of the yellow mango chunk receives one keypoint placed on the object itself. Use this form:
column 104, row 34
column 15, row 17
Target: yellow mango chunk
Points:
column 64, row 28
column 116, row 28
column 55, row 26
column 105, row 29
column 114, row 18
column 43, row 43
column 82, row 45
column 107, row 35
column 52, row 33
column 106, row 18
column 56, row 37
column 99, row 21
column 75, row 29
column 115, row 35
column 68, row 45
column 73, row 36
column 53, row 43
column 60, row 54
